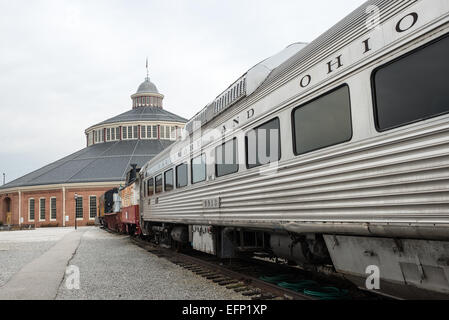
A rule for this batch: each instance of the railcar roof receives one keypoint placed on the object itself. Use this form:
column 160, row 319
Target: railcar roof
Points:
column 340, row 35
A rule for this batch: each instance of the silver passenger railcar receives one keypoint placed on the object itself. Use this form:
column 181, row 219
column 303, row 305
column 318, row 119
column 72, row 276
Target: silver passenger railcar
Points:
column 332, row 153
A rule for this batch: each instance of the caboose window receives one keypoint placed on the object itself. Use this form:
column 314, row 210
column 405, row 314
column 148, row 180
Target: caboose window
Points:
column 413, row 87
column 181, row 175
column 168, row 180
column 263, row 144
column 158, row 183
column 150, row 187
column 199, row 169
column 226, row 158
column 324, row 122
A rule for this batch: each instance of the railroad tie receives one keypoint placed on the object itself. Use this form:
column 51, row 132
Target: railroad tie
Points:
column 235, row 286
column 208, row 274
column 250, row 293
column 267, row 296
column 204, row 272
column 226, row 282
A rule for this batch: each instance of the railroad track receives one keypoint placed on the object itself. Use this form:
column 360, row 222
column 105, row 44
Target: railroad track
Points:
column 259, row 280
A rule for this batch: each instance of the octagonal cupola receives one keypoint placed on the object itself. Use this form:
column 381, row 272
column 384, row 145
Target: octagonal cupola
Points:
column 147, row 95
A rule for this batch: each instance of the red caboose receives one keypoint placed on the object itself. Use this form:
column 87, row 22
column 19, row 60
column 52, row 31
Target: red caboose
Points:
column 123, row 213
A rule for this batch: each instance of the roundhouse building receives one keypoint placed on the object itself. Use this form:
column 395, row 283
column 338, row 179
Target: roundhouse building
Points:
column 46, row 197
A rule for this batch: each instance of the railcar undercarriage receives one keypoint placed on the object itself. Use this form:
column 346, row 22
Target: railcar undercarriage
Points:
column 406, row 268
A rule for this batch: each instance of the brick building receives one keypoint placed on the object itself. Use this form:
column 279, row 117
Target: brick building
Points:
column 46, row 197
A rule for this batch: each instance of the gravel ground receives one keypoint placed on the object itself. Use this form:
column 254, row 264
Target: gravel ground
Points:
column 111, row 267
column 18, row 248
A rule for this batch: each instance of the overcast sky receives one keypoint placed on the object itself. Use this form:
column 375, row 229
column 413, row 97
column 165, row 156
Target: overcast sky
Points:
column 68, row 64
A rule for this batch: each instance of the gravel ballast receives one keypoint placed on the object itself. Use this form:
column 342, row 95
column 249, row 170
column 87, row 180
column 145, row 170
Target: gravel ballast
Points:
column 112, row 267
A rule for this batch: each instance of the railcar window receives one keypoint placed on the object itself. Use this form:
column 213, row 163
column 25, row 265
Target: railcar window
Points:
column 168, row 180
column 158, row 183
column 263, row 144
column 150, row 187
column 226, row 158
column 181, row 175
column 413, row 88
column 199, row 169
column 323, row 122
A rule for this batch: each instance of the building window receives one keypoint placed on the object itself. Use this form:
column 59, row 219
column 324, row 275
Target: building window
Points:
column 162, row 129
column 79, row 207
column 92, row 207
column 322, row 123
column 412, row 88
column 158, row 184
column 263, row 144
column 226, row 158
column 143, row 132
column 168, row 180
column 31, row 209
column 53, row 208
column 112, row 134
column 117, row 133
column 154, row 129
column 124, row 133
column 42, row 209
column 173, row 133
column 150, row 187
column 136, row 132
column 199, row 169
column 108, row 134
column 181, row 175
column 149, row 132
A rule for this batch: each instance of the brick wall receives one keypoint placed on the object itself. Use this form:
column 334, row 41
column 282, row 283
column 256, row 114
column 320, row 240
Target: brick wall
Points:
column 47, row 195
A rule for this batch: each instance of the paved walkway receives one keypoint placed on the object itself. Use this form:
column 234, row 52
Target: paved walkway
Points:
column 33, row 266
column 41, row 278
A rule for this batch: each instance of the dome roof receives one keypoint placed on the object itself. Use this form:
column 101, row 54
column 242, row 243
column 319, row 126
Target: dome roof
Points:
column 104, row 162
column 147, row 87
column 144, row 114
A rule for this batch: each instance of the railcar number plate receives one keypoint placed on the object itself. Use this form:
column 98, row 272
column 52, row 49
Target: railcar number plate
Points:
column 212, row 203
